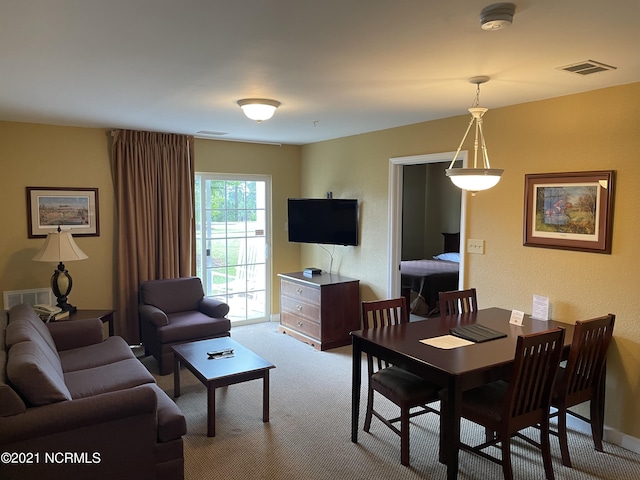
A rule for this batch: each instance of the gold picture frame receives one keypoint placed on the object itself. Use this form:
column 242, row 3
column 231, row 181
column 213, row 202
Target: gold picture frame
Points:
column 569, row 211
column 71, row 208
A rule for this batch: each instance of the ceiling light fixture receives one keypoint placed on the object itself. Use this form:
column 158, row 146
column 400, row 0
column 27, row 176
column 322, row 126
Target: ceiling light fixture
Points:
column 497, row 16
column 258, row 109
column 475, row 179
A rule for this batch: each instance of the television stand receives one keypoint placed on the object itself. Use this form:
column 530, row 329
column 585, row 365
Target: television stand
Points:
column 321, row 309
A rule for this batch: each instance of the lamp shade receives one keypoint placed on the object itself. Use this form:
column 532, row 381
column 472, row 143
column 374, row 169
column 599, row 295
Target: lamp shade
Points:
column 258, row 109
column 59, row 247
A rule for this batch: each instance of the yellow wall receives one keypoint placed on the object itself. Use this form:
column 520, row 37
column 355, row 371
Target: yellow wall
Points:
column 591, row 131
column 48, row 156
column 283, row 165
column 53, row 156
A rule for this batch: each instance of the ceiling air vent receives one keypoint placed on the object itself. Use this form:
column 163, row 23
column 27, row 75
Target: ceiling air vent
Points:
column 210, row 133
column 587, row 67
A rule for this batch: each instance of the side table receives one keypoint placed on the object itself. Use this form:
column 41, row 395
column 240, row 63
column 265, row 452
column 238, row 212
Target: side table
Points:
column 105, row 315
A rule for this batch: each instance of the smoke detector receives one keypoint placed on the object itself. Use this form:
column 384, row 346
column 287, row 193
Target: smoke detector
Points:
column 497, row 16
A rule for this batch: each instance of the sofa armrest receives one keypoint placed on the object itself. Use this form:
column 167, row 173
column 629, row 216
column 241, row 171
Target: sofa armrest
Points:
column 69, row 334
column 213, row 307
column 153, row 315
column 111, row 436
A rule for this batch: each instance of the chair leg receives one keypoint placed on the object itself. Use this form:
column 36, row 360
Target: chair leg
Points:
column 597, row 417
column 404, row 436
column 562, row 436
column 369, row 412
column 546, row 449
column 506, row 458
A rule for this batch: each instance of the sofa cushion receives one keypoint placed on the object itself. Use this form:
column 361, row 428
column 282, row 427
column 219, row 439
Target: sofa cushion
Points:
column 10, row 401
column 33, row 375
column 111, row 350
column 192, row 325
column 107, row 378
column 24, row 316
column 173, row 295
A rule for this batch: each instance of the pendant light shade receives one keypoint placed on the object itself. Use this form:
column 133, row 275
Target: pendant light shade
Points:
column 480, row 177
column 258, row 109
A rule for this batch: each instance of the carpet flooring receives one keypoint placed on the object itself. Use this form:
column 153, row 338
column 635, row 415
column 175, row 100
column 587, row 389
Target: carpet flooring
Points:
column 309, row 433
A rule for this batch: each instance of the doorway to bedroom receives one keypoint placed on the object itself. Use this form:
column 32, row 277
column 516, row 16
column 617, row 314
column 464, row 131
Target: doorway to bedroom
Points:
column 420, row 211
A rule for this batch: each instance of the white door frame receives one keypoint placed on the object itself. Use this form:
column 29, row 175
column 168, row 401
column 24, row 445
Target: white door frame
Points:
column 396, row 166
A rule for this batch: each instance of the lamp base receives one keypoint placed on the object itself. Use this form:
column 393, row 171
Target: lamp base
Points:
column 61, row 284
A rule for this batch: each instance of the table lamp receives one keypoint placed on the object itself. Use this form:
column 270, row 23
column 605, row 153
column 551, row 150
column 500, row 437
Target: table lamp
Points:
column 60, row 247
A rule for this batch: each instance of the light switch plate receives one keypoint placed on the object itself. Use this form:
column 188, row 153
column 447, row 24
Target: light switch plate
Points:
column 475, row 246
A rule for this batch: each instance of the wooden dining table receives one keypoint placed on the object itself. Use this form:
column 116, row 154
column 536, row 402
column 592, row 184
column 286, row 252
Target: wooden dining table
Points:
column 457, row 369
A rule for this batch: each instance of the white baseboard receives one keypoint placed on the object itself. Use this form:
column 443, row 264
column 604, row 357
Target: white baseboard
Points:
column 610, row 435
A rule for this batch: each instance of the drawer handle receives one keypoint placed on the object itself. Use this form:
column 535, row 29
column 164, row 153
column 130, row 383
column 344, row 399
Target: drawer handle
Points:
column 299, row 307
column 299, row 324
column 299, row 290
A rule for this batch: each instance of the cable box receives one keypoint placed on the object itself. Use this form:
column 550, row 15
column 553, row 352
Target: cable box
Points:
column 309, row 272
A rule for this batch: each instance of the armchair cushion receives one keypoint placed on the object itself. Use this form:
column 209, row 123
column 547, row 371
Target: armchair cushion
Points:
column 186, row 326
column 173, row 295
column 213, row 307
column 32, row 373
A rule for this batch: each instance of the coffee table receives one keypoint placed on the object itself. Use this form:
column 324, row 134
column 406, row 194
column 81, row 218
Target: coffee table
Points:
column 240, row 366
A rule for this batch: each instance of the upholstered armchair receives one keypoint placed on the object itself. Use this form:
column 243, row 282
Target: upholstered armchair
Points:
column 176, row 311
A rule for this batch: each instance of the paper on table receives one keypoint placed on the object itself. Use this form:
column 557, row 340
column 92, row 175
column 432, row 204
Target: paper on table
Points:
column 540, row 308
column 446, row 342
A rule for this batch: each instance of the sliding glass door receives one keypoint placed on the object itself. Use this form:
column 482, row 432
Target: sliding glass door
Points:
column 232, row 221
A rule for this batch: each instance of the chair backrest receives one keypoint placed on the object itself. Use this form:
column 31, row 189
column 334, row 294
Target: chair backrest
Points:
column 172, row 295
column 587, row 359
column 457, row 301
column 534, row 370
column 381, row 313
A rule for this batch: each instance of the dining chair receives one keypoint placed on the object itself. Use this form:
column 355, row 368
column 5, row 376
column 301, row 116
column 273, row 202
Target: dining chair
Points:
column 457, row 301
column 582, row 379
column 408, row 391
column 504, row 408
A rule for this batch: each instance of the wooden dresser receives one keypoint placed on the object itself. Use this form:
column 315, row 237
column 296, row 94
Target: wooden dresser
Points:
column 320, row 310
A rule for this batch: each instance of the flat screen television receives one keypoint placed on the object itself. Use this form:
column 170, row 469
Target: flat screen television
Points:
column 332, row 221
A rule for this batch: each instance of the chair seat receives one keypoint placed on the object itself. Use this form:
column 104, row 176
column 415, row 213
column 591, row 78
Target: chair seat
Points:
column 485, row 401
column 414, row 389
column 192, row 325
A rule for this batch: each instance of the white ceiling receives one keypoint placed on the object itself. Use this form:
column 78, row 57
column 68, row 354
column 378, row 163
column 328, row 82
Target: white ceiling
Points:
column 339, row 67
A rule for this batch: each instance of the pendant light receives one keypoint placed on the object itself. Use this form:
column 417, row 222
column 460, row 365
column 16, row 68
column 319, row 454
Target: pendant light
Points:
column 477, row 178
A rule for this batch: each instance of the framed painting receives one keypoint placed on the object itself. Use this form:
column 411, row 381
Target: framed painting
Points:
column 74, row 208
column 570, row 211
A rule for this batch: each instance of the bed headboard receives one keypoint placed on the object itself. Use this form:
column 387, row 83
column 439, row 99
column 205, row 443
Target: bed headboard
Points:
column 451, row 242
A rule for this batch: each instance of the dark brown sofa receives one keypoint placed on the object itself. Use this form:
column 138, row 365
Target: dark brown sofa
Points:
column 73, row 405
column 175, row 311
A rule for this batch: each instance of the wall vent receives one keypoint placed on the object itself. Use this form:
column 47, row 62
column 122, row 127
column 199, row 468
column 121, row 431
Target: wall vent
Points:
column 35, row 296
column 587, row 67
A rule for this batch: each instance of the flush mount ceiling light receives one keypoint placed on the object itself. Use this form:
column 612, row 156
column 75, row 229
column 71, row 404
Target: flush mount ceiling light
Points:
column 497, row 16
column 258, row 109
column 475, row 179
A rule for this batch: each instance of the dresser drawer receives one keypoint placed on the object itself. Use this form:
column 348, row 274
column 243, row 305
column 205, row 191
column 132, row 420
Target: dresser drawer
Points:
column 302, row 325
column 295, row 306
column 299, row 290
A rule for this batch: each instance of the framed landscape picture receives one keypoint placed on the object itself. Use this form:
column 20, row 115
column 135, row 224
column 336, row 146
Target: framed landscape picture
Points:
column 73, row 209
column 571, row 211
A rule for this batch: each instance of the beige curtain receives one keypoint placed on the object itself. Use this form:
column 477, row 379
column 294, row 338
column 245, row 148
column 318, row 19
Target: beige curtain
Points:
column 153, row 178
